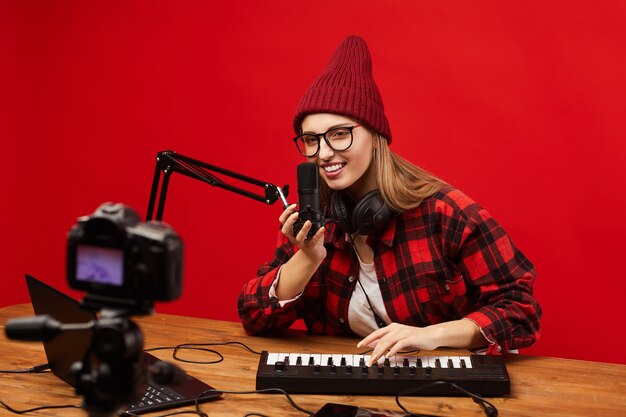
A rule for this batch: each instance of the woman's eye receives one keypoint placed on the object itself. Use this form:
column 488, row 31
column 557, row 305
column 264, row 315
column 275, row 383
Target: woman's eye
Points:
column 340, row 134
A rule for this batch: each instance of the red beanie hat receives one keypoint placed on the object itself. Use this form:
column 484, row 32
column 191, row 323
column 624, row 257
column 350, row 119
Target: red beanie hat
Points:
column 346, row 87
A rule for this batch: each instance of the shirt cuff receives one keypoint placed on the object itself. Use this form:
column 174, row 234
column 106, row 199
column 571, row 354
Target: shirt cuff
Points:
column 482, row 322
column 272, row 291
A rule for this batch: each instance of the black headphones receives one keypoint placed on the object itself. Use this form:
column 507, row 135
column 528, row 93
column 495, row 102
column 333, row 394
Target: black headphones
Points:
column 369, row 216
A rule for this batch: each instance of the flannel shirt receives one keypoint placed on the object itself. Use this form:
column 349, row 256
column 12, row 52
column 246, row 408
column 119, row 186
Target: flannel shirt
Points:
column 445, row 260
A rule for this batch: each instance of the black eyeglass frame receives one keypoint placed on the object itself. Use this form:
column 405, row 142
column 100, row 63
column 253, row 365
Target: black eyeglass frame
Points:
column 321, row 136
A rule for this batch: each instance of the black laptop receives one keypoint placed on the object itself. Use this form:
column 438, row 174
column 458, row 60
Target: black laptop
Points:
column 69, row 347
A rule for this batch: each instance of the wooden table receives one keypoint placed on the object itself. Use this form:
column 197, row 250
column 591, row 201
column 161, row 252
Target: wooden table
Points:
column 539, row 385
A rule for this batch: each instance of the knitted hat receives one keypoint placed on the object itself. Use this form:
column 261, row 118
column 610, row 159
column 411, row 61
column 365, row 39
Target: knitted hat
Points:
column 346, row 87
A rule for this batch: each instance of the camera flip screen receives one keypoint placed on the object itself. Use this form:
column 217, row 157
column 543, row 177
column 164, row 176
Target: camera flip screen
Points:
column 100, row 265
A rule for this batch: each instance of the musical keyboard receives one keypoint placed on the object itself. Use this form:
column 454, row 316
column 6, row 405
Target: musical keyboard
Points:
column 346, row 374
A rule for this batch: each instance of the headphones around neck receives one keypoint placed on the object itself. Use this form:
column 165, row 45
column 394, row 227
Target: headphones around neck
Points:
column 368, row 216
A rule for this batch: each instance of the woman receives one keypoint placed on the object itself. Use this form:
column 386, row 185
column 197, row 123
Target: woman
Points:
column 409, row 262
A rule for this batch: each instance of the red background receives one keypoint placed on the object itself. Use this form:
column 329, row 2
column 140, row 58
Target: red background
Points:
column 519, row 105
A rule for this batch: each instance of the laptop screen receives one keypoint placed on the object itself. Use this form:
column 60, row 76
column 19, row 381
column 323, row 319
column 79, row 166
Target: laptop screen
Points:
column 68, row 347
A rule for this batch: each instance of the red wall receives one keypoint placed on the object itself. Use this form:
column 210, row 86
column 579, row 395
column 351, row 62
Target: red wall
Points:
column 519, row 105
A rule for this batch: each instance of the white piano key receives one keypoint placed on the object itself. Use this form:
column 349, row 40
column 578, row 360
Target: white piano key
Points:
column 347, row 359
column 443, row 360
column 282, row 356
column 456, row 361
column 468, row 361
column 305, row 359
column 356, row 360
column 428, row 361
column 317, row 359
column 272, row 358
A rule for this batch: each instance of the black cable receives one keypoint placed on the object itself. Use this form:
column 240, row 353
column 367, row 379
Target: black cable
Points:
column 38, row 369
column 200, row 346
column 489, row 409
column 43, row 407
column 258, row 391
column 243, row 345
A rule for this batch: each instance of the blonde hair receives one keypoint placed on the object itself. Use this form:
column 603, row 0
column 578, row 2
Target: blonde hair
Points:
column 403, row 185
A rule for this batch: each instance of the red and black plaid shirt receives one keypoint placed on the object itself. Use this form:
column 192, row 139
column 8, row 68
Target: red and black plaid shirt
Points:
column 445, row 260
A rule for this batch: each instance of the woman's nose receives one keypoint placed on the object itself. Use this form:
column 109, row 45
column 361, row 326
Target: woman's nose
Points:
column 326, row 152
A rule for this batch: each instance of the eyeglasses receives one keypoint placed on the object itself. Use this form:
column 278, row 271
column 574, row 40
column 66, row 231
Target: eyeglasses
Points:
column 337, row 138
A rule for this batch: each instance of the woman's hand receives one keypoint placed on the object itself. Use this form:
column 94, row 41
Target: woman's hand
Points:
column 313, row 248
column 396, row 337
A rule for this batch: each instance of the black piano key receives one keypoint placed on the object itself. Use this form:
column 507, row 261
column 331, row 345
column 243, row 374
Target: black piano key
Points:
column 311, row 361
column 405, row 362
column 437, row 363
column 463, row 365
column 450, row 363
column 330, row 361
column 343, row 361
column 299, row 361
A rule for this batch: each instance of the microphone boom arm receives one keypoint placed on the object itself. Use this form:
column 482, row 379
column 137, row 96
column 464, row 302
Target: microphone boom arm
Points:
column 168, row 162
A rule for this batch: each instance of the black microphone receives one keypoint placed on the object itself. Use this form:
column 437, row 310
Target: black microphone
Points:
column 309, row 199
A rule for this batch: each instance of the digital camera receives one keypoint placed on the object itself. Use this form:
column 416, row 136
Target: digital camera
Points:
column 120, row 261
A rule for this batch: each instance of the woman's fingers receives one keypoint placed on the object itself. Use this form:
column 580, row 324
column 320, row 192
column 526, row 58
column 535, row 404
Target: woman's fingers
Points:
column 287, row 213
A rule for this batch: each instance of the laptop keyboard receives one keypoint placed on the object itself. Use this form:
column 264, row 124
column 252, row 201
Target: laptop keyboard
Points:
column 158, row 397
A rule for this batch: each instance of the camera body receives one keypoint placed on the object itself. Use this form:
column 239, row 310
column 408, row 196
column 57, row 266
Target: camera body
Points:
column 119, row 260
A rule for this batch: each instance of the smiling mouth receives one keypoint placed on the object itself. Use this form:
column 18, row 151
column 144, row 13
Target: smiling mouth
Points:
column 333, row 167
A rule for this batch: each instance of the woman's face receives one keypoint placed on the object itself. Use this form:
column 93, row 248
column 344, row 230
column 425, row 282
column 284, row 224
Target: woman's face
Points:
column 351, row 169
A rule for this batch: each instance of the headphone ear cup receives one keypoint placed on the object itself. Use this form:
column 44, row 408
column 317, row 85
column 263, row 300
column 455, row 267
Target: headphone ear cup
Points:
column 341, row 209
column 370, row 215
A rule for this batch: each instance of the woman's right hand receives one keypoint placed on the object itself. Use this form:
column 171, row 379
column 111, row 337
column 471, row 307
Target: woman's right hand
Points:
column 313, row 248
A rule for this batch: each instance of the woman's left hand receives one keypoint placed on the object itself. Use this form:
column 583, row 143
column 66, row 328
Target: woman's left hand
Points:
column 396, row 337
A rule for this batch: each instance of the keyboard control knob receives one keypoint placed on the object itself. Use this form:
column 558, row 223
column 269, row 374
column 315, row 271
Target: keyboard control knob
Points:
column 381, row 370
column 348, row 369
column 280, row 366
column 396, row 370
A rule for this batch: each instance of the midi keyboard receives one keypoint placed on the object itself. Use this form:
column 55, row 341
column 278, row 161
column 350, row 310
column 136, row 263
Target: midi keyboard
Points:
column 345, row 374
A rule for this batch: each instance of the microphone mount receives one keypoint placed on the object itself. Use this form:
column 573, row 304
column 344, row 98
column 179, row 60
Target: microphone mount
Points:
column 168, row 162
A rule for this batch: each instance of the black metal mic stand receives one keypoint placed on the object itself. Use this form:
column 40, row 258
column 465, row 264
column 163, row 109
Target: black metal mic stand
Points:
column 168, row 162
column 113, row 372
